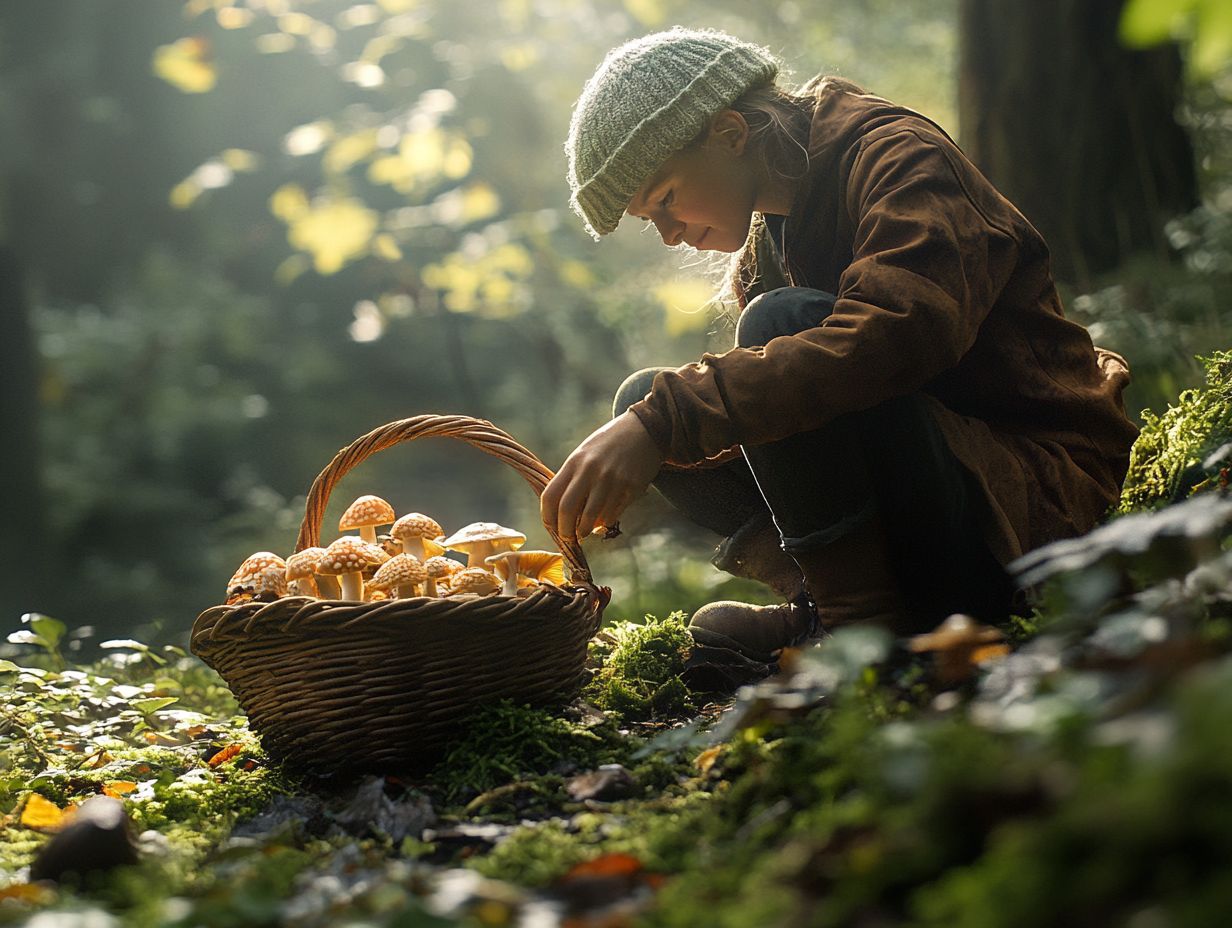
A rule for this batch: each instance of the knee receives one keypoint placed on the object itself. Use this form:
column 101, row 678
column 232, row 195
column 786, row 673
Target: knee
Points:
column 634, row 388
column 784, row 311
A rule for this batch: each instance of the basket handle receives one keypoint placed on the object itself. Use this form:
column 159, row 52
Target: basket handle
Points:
column 477, row 432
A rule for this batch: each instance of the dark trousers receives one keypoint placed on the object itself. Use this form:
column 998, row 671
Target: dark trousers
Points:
column 890, row 459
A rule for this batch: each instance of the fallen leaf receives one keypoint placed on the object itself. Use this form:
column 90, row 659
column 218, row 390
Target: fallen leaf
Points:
column 230, row 751
column 607, row 865
column 34, row 893
column 117, row 788
column 41, row 814
column 706, row 759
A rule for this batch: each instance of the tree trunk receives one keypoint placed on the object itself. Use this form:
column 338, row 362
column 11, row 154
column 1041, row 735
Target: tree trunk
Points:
column 21, row 529
column 1079, row 132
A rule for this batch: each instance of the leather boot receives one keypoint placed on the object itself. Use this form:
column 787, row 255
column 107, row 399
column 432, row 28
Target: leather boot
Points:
column 851, row 580
column 755, row 552
column 845, row 581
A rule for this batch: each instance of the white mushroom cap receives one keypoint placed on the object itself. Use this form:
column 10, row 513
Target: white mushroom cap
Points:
column 347, row 558
column 303, row 564
column 365, row 514
column 480, row 540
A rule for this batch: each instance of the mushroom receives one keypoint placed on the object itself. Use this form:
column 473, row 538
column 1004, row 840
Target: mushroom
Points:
column 300, row 574
column 365, row 514
column 535, row 565
column 438, row 568
column 958, row 645
column 480, row 540
column 250, row 578
column 346, row 558
column 403, row 572
column 473, row 580
column 415, row 533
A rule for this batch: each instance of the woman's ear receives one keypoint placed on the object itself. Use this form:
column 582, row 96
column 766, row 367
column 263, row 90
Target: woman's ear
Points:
column 728, row 132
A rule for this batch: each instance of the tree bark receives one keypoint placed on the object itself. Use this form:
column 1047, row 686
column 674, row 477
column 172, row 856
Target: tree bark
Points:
column 1079, row 132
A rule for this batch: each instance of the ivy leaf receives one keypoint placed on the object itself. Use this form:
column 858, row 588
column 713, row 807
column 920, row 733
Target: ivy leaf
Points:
column 148, row 706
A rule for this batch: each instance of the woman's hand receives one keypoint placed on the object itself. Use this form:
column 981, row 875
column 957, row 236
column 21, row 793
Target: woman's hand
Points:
column 605, row 473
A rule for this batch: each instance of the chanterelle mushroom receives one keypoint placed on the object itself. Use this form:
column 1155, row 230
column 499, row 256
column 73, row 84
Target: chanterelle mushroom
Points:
column 252, row 578
column 403, row 572
column 473, row 580
column 535, row 565
column 415, row 533
column 480, row 540
column 959, row 643
column 346, row 558
column 365, row 514
column 438, row 568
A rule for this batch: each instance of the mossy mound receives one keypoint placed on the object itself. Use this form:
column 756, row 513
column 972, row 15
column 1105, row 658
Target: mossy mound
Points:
column 1170, row 461
column 638, row 669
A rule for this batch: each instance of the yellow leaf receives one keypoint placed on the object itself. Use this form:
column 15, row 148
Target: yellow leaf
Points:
column 647, row 12
column 289, row 202
column 423, row 158
column 384, row 246
column 239, row 159
column 350, row 149
column 185, row 64
column 185, row 193
column 479, row 201
column 684, row 302
column 398, row 6
column 576, row 274
column 290, row 269
column 42, row 814
column 117, row 788
column 234, row 17
column 519, row 57
column 705, row 760
column 296, row 23
column 333, row 231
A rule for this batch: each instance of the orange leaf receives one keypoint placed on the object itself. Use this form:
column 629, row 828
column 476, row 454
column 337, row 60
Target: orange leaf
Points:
column 42, row 814
column 705, row 760
column 27, row 892
column 225, row 754
column 608, row 865
column 117, row 788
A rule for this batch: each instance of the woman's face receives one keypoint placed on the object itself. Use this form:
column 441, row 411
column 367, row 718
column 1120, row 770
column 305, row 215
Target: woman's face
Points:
column 704, row 195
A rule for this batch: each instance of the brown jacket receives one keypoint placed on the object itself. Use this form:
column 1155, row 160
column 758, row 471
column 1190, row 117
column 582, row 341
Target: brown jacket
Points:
column 943, row 287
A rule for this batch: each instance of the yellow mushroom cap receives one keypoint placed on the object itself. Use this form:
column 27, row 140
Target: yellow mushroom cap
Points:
column 348, row 555
column 365, row 511
column 303, row 564
column 480, row 532
column 416, row 525
column 473, row 580
column 957, row 631
column 246, row 574
column 537, row 565
column 399, row 570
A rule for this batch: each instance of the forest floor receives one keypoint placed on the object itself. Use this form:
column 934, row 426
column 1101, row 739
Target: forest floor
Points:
column 1075, row 772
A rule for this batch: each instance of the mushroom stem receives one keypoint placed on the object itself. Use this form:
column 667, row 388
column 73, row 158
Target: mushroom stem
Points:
column 353, row 586
column 407, row 590
column 329, row 587
column 414, row 547
column 368, row 533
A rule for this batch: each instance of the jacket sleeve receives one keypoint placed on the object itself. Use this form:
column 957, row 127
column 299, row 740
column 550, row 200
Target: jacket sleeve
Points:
column 927, row 266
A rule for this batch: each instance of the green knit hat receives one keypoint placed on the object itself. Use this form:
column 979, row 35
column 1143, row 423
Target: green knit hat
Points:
column 650, row 98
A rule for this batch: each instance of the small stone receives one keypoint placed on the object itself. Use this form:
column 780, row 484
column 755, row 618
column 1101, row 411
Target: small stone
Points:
column 96, row 839
column 611, row 781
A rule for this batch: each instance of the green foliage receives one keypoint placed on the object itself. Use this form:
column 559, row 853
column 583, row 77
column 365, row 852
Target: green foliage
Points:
column 506, row 742
column 638, row 667
column 1167, row 460
column 1207, row 24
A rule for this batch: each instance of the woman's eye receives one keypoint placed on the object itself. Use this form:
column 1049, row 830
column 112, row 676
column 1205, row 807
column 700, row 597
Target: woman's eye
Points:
column 667, row 199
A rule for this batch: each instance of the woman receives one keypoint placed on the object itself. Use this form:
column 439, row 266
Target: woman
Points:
column 906, row 409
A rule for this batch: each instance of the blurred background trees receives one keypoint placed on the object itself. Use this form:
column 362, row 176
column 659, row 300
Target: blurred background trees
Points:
column 236, row 234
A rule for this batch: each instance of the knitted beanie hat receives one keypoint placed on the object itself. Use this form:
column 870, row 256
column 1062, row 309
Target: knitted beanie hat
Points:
column 650, row 98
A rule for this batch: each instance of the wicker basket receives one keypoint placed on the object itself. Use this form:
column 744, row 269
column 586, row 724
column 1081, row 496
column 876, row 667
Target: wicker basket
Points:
column 335, row 687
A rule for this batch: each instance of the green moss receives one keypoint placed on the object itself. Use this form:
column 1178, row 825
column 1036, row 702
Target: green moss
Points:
column 507, row 742
column 639, row 667
column 1165, row 464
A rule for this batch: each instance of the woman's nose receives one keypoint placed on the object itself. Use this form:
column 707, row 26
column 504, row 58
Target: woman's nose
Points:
column 670, row 230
